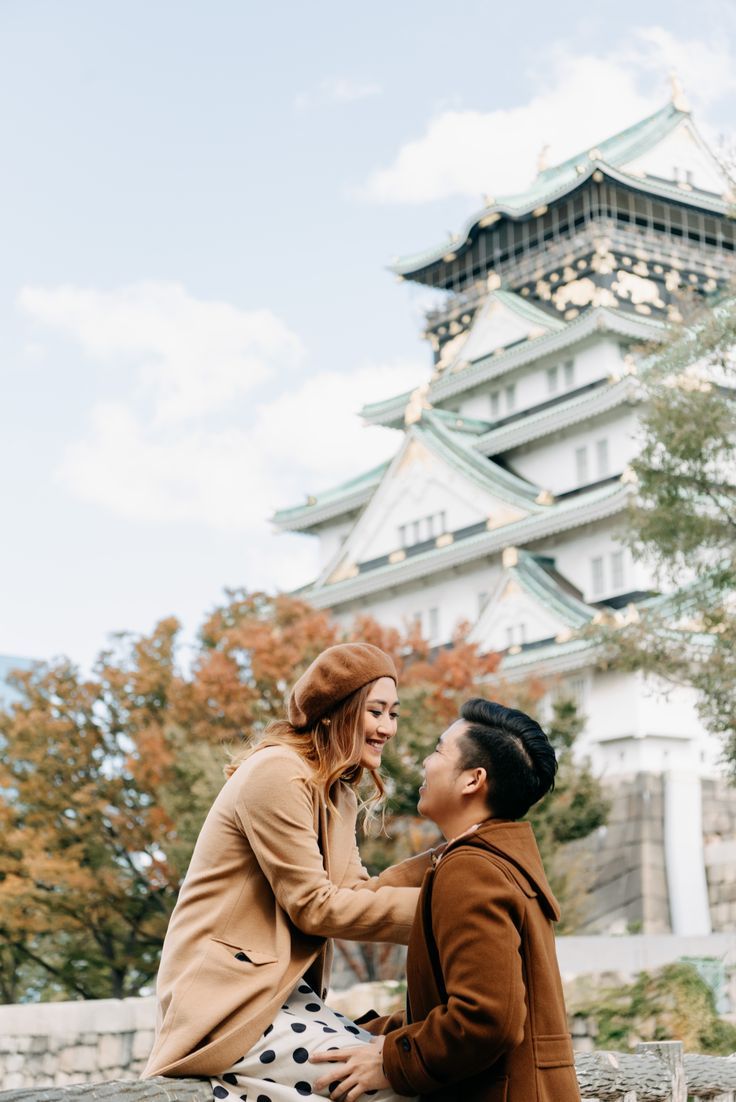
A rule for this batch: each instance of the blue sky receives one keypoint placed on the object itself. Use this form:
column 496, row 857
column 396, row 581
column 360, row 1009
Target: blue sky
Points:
column 199, row 203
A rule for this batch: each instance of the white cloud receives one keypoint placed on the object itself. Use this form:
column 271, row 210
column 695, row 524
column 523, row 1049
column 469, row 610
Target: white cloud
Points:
column 336, row 90
column 194, row 455
column 306, row 438
column 187, row 356
column 580, row 101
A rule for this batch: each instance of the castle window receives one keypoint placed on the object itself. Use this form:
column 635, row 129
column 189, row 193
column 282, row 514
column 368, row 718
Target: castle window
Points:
column 581, row 465
column 482, row 601
column 601, row 454
column 568, row 370
column 495, row 404
column 552, row 380
column 426, row 528
column 511, row 397
column 597, row 577
column 617, row 570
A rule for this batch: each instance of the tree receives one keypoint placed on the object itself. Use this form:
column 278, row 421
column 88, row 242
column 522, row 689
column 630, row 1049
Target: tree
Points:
column 105, row 780
column 684, row 522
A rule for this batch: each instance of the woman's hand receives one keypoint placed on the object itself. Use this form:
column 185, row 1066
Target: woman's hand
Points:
column 355, row 1071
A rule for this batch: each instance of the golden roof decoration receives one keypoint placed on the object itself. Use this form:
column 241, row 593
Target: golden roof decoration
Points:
column 416, row 405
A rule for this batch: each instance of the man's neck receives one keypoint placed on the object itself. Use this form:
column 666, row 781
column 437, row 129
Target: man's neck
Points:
column 465, row 823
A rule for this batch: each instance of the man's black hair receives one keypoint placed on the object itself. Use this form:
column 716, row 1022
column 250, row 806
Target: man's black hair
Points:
column 513, row 749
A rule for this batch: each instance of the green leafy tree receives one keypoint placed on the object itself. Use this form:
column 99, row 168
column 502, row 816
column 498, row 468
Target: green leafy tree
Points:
column 684, row 522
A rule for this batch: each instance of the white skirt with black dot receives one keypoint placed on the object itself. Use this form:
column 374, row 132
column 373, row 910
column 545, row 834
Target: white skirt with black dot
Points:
column 277, row 1068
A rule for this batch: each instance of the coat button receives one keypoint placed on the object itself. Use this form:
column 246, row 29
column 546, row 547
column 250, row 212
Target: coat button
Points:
column 405, row 1044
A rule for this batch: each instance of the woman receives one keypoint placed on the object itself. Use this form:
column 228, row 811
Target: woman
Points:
column 274, row 875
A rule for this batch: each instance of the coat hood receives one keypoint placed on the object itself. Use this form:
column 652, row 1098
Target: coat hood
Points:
column 516, row 844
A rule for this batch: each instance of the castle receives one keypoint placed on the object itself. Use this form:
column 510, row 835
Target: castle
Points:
column 506, row 499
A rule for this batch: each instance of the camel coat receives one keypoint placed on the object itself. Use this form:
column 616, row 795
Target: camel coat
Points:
column 485, row 1017
column 272, row 877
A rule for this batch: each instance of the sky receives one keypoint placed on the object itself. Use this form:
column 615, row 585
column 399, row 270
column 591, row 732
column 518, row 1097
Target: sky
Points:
column 200, row 200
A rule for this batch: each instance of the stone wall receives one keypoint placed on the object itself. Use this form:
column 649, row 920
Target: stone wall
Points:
column 621, row 867
column 55, row 1044
column 52, row 1044
column 719, row 832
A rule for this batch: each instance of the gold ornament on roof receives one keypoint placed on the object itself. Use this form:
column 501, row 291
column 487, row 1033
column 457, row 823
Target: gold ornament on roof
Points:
column 416, row 405
column 677, row 95
column 543, row 159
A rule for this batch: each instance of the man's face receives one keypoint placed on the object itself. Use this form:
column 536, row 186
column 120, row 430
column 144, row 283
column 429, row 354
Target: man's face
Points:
column 439, row 795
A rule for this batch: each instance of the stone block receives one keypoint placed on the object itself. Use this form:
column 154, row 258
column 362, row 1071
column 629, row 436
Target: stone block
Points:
column 13, row 1082
column 142, row 1044
column 49, row 1064
column 68, row 1060
column 109, row 1051
column 14, row 1062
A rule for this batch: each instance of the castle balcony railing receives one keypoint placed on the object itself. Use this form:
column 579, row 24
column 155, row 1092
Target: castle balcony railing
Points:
column 701, row 246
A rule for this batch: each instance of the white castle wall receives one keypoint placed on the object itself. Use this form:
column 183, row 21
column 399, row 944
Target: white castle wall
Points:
column 553, row 463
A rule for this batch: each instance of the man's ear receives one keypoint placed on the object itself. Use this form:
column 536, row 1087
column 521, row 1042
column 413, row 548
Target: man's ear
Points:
column 476, row 781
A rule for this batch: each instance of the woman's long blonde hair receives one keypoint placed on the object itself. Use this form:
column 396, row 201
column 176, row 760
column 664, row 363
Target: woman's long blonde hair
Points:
column 332, row 746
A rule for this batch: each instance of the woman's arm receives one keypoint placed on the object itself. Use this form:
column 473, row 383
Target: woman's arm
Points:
column 275, row 810
column 406, row 874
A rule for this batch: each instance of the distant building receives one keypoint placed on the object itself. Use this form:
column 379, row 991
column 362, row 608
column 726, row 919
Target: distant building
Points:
column 505, row 501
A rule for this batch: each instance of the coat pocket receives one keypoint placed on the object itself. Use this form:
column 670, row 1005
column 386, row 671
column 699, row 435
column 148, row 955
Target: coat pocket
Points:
column 554, row 1051
column 244, row 953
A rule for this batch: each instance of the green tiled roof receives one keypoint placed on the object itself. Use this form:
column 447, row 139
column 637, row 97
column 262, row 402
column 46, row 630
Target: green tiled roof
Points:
column 459, row 452
column 599, row 319
column 341, row 498
column 537, row 580
column 609, row 156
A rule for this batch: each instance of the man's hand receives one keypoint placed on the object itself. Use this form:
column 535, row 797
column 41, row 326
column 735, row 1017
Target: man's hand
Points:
column 355, row 1071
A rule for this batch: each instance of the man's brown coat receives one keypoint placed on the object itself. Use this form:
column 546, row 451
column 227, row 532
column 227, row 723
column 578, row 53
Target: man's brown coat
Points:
column 485, row 1010
column 272, row 877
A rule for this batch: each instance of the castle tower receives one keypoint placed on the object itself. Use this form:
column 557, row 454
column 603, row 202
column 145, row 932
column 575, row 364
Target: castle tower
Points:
column 506, row 499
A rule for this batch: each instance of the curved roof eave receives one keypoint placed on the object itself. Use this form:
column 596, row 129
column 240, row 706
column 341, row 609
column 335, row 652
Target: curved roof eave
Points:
column 414, row 264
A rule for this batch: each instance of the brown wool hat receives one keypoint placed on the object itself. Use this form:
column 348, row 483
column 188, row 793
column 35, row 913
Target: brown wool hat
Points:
column 335, row 674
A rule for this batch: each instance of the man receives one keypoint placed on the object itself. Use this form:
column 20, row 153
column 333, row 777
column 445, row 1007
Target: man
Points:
column 485, row 1018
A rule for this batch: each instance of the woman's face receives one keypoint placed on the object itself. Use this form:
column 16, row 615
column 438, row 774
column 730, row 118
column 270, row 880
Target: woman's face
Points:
column 380, row 720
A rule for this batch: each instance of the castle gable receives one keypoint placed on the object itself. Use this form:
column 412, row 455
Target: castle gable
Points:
column 530, row 604
column 682, row 157
column 436, row 487
column 504, row 320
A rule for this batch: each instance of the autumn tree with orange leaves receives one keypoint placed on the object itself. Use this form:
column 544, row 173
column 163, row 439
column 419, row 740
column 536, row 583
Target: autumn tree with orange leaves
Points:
column 105, row 780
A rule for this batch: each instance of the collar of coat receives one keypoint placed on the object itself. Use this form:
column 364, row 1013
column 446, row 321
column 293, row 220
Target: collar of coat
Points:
column 516, row 845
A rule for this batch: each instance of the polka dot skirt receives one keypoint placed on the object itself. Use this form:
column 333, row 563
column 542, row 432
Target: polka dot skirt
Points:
column 277, row 1068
